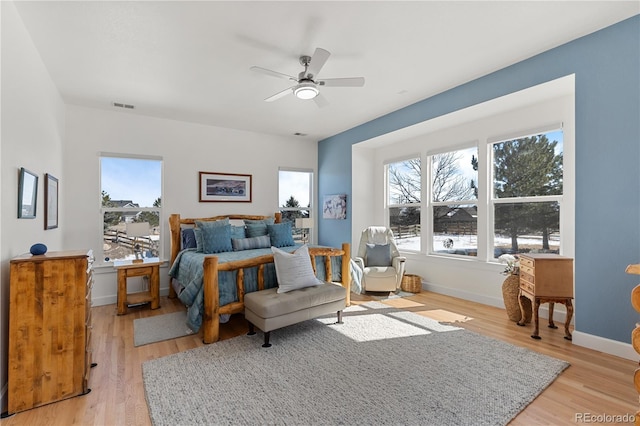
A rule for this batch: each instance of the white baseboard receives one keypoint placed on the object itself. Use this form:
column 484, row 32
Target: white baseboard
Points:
column 608, row 346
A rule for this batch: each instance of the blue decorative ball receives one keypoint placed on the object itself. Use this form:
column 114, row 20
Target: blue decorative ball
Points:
column 38, row 248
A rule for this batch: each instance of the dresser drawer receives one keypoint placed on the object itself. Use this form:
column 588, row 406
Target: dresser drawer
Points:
column 527, row 286
column 527, row 269
column 527, row 277
column 526, row 262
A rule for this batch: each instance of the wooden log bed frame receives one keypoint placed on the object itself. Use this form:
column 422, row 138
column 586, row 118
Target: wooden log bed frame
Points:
column 212, row 308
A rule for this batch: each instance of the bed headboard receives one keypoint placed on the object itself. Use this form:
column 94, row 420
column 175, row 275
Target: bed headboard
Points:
column 176, row 223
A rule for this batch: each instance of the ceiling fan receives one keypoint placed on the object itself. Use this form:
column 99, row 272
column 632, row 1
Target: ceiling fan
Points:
column 307, row 84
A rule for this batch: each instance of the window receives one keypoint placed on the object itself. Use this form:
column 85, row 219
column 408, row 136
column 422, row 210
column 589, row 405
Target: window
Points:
column 403, row 202
column 454, row 210
column 527, row 193
column 294, row 198
column 131, row 192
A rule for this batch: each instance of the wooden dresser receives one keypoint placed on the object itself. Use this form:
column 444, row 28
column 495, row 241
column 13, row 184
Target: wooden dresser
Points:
column 49, row 328
column 546, row 278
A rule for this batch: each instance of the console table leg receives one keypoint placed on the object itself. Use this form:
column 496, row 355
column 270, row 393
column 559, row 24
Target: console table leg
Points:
column 536, row 320
column 567, row 333
column 551, row 323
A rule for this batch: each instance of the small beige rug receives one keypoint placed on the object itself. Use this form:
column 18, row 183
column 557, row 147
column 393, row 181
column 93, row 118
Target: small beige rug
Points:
column 388, row 295
column 160, row 327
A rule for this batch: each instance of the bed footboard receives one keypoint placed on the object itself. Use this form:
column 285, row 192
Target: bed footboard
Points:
column 212, row 308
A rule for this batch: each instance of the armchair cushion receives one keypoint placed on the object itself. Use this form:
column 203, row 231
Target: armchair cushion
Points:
column 378, row 255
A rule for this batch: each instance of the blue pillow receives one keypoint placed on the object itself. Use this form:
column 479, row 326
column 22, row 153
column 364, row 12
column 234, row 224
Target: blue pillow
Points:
column 258, row 228
column 280, row 234
column 199, row 244
column 237, row 232
column 267, row 221
column 240, row 244
column 378, row 255
column 188, row 239
column 216, row 236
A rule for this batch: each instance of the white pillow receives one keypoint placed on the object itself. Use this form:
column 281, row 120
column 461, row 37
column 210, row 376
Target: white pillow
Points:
column 294, row 270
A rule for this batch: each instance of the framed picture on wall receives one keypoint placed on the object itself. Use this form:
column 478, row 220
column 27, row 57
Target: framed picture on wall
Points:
column 27, row 194
column 334, row 206
column 224, row 187
column 50, row 202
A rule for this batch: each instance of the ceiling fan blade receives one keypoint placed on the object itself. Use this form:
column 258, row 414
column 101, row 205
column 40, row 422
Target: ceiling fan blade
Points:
column 343, row 82
column 318, row 60
column 321, row 101
column 279, row 95
column 272, row 73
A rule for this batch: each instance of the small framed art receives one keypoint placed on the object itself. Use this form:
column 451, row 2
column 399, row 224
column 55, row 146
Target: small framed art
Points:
column 50, row 202
column 224, row 187
column 27, row 194
column 334, row 206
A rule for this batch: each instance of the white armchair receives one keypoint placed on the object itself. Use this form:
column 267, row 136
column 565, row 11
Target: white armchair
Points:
column 379, row 259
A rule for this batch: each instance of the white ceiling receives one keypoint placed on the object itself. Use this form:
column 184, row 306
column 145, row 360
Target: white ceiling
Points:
column 190, row 61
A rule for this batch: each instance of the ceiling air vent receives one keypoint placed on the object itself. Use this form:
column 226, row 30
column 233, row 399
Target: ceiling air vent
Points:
column 121, row 105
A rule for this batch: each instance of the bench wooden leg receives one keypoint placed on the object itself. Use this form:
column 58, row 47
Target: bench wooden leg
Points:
column 266, row 339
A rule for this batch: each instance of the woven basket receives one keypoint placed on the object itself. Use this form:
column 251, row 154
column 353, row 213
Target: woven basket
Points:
column 411, row 283
column 510, row 293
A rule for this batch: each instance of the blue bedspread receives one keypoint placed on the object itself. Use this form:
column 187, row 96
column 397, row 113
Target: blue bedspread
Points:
column 187, row 269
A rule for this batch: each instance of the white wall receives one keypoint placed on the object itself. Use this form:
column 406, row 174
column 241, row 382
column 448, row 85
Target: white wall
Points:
column 186, row 149
column 469, row 278
column 32, row 132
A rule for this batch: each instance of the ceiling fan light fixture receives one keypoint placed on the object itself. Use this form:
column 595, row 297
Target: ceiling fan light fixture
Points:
column 306, row 90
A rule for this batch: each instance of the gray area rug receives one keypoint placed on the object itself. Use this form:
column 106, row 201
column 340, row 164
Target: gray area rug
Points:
column 382, row 366
column 160, row 327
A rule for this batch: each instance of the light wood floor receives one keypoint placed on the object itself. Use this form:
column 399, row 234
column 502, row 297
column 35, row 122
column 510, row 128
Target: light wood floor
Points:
column 596, row 383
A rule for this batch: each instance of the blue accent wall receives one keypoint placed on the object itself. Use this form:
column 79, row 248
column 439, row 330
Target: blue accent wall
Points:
column 606, row 65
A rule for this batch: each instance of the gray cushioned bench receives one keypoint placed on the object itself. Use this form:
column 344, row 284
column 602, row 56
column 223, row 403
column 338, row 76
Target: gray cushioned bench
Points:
column 269, row 310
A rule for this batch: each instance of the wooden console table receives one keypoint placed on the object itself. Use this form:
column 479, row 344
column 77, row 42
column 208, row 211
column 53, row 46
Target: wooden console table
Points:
column 126, row 269
column 546, row 278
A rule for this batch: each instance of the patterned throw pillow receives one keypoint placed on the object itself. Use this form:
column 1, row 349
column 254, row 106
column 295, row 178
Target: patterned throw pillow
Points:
column 294, row 270
column 280, row 234
column 240, row 244
column 216, row 236
column 258, row 228
column 237, row 232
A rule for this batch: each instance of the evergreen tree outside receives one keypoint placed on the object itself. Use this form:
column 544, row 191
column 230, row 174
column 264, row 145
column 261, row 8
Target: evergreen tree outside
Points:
column 527, row 167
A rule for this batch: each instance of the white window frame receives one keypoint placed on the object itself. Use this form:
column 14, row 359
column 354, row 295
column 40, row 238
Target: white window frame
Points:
column 309, row 209
column 388, row 205
column 493, row 200
column 430, row 204
column 100, row 259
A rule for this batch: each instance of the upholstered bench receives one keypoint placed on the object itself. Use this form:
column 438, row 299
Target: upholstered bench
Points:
column 269, row 310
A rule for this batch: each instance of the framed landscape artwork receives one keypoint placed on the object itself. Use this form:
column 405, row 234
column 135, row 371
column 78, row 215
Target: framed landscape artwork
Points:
column 225, row 187
column 50, row 202
column 334, row 206
column 27, row 194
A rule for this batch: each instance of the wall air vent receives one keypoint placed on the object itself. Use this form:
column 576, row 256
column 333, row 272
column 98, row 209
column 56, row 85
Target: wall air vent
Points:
column 121, row 105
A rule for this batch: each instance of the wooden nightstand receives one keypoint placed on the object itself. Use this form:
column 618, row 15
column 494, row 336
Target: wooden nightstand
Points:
column 127, row 269
column 546, row 278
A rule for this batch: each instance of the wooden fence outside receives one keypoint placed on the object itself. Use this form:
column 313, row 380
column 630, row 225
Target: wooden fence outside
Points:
column 406, row 231
column 119, row 237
